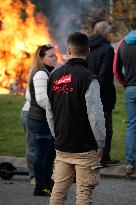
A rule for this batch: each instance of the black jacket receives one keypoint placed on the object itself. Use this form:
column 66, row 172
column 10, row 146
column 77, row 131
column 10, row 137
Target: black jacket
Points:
column 125, row 58
column 66, row 90
column 100, row 63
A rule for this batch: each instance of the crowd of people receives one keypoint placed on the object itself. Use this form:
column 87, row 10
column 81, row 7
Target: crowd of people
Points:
column 67, row 116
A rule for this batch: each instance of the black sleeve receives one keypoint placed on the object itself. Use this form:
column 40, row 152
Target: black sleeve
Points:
column 106, row 66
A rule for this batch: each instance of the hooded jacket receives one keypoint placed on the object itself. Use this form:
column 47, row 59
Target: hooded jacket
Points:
column 100, row 63
column 125, row 57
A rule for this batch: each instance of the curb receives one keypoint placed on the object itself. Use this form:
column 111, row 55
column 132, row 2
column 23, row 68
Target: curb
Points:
column 117, row 172
column 118, row 176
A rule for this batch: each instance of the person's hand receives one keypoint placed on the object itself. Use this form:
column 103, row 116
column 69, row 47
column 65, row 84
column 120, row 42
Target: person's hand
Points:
column 99, row 152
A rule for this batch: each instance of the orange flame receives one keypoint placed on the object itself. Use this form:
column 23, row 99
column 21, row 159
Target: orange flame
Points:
column 20, row 33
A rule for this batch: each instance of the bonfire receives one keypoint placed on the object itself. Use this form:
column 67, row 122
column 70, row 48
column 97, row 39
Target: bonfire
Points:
column 21, row 31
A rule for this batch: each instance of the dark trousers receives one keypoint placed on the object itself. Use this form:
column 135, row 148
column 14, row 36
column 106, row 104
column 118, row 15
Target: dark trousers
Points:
column 44, row 152
column 30, row 143
column 44, row 159
column 109, row 131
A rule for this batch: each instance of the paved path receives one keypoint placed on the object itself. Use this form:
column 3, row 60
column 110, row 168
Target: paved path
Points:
column 109, row 192
column 114, row 188
column 110, row 172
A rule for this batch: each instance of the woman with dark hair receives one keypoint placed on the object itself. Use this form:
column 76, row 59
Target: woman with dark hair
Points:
column 43, row 64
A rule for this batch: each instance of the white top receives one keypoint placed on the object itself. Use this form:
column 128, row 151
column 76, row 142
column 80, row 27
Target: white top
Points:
column 26, row 106
column 40, row 86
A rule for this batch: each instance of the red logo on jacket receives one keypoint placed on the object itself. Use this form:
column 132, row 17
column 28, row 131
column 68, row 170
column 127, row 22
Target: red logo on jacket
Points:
column 62, row 84
column 63, row 80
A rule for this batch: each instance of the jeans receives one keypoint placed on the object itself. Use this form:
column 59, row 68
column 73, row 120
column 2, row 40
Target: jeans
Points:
column 109, row 131
column 45, row 152
column 43, row 164
column 130, row 102
column 30, row 143
column 85, row 166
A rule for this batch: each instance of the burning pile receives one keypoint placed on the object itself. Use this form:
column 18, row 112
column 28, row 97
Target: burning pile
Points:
column 21, row 31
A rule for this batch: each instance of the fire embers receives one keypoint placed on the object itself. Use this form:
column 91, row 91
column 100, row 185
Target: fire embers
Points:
column 63, row 84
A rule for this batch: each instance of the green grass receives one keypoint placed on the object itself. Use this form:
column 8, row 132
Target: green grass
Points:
column 119, row 127
column 12, row 139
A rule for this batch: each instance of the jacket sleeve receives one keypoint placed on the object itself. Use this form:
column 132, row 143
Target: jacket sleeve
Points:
column 106, row 66
column 49, row 116
column 118, row 65
column 95, row 112
column 27, row 95
column 40, row 86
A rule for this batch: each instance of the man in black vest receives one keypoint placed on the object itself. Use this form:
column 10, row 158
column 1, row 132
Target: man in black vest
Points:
column 100, row 63
column 79, row 125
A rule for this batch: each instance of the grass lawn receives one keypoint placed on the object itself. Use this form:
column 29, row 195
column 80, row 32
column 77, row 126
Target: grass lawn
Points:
column 119, row 127
column 12, row 139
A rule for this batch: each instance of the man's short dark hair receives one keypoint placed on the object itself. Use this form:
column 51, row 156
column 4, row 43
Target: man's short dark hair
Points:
column 78, row 43
column 133, row 23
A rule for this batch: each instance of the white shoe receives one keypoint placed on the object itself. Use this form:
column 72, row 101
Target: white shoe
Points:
column 32, row 180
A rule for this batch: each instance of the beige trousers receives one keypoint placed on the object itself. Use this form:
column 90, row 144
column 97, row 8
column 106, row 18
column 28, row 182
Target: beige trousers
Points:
column 86, row 166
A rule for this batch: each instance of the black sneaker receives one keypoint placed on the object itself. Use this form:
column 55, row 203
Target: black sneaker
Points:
column 109, row 163
column 44, row 192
